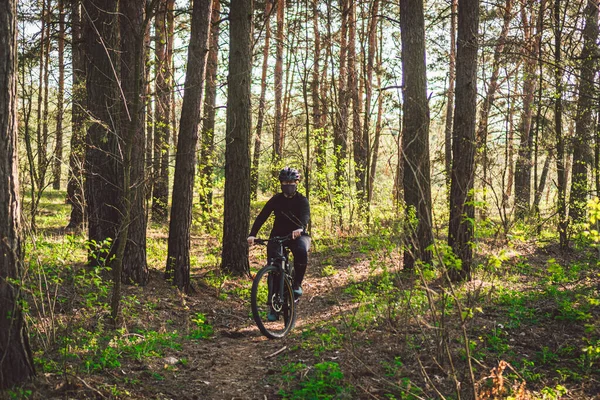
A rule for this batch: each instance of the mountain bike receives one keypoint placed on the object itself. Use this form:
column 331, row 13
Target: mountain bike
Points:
column 272, row 296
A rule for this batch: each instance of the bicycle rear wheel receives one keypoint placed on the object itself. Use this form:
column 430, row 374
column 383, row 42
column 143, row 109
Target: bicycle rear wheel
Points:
column 274, row 316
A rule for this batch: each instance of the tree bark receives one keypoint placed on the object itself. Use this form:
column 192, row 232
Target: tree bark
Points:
column 278, row 131
column 208, row 120
column 584, row 122
column 524, row 159
column 462, row 212
column 75, row 195
column 261, row 104
column 488, row 103
column 104, row 171
column 450, row 101
column 162, row 112
column 16, row 361
column 58, row 148
column 561, row 178
column 371, row 56
column 133, row 24
column 415, row 134
column 178, row 257
column 358, row 141
column 236, row 220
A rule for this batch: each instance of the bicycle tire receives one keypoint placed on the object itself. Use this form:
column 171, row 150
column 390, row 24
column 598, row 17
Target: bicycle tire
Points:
column 262, row 288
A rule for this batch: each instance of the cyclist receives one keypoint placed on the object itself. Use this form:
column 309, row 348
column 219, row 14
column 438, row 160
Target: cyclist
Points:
column 292, row 213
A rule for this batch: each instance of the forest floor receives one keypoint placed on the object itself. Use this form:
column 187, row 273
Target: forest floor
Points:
column 366, row 330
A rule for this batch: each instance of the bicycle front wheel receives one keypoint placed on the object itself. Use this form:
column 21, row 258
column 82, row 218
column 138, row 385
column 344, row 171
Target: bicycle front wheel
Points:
column 274, row 311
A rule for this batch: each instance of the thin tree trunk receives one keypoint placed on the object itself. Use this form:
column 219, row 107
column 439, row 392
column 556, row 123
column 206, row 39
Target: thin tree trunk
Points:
column 359, row 149
column 16, row 360
column 371, row 54
column 560, row 141
column 597, row 155
column 450, row 100
column 462, row 211
column 415, row 134
column 43, row 147
column 58, row 148
column 75, row 195
column 340, row 140
column 149, row 122
column 584, row 123
column 162, row 112
column 134, row 24
column 524, row 163
column 261, row 105
column 208, row 125
column 378, row 127
column 488, row 103
column 40, row 151
column 236, row 221
column 278, row 131
column 178, row 257
column 104, row 172
column 540, row 187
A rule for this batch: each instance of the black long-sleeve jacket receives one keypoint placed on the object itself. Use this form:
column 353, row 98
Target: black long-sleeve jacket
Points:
column 290, row 214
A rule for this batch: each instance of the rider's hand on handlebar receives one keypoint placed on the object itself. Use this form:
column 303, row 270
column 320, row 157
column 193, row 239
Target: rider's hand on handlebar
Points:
column 251, row 240
column 296, row 233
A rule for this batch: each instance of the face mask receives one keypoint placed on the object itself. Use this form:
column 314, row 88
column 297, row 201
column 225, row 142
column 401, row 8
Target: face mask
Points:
column 288, row 190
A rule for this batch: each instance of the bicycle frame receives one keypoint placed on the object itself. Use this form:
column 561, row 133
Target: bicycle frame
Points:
column 281, row 261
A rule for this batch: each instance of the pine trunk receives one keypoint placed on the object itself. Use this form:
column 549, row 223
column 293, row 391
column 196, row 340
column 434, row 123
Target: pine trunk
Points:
column 261, row 105
column 584, row 123
column 450, row 94
column 178, row 257
column 104, row 171
column 133, row 229
column 16, row 361
column 278, row 131
column 415, row 134
column 58, row 148
column 75, row 195
column 462, row 212
column 162, row 112
column 208, row 119
column 236, row 221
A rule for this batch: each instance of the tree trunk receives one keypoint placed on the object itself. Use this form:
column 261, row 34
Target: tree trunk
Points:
column 561, row 181
column 450, row 101
column 415, row 134
column 178, row 257
column 208, row 120
column 133, row 24
column 371, row 54
column 359, row 149
column 104, row 172
column 16, row 361
column 524, row 159
column 58, row 148
column 43, row 146
column 462, row 212
column 162, row 112
column 540, row 187
column 278, row 131
column 261, row 105
column 584, row 122
column 236, row 221
column 340, row 137
column 488, row 103
column 42, row 115
column 75, row 195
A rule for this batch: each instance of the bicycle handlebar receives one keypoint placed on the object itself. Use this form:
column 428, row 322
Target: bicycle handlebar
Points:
column 277, row 239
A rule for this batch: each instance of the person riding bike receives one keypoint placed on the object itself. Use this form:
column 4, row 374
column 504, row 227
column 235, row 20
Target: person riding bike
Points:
column 292, row 213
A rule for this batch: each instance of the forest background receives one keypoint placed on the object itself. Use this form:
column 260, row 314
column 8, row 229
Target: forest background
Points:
column 450, row 151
